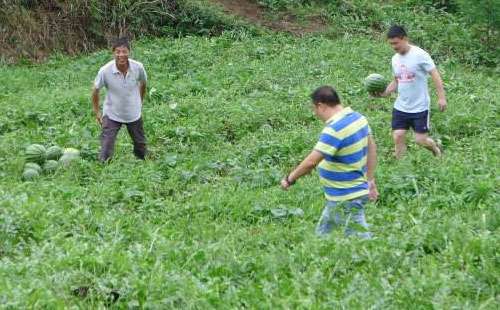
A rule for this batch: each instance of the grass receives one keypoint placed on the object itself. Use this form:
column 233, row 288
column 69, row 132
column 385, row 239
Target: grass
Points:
column 196, row 225
column 472, row 30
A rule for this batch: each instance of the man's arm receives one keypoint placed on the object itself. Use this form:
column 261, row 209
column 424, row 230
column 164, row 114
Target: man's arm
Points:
column 392, row 87
column 95, row 105
column 143, row 78
column 142, row 90
column 371, row 166
column 305, row 167
column 438, row 82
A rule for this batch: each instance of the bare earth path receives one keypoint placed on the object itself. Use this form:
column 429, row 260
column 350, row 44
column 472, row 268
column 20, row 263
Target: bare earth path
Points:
column 253, row 12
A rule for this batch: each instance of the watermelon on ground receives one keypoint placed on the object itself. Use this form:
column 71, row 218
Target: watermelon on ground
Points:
column 71, row 152
column 33, row 166
column 50, row 166
column 30, row 174
column 375, row 83
column 35, row 153
column 67, row 159
column 54, row 153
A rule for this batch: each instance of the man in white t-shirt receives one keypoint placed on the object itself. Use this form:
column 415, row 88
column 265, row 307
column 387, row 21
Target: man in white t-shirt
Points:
column 411, row 66
column 125, row 82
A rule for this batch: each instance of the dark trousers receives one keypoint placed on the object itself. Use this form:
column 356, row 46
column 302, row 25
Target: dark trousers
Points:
column 110, row 129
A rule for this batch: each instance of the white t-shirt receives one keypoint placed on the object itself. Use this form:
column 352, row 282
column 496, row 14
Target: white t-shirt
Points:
column 411, row 71
column 123, row 100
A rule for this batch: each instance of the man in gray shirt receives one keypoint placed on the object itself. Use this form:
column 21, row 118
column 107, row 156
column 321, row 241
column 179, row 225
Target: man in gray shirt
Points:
column 125, row 81
column 411, row 66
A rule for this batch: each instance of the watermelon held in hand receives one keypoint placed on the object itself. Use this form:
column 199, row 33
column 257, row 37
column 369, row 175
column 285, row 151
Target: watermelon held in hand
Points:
column 54, row 153
column 50, row 166
column 30, row 174
column 35, row 153
column 375, row 83
column 33, row 166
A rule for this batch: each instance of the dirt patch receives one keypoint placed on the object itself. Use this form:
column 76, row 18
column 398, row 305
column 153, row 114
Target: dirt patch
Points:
column 255, row 13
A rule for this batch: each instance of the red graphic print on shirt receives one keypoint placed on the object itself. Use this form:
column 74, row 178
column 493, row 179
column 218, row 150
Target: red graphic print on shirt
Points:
column 404, row 74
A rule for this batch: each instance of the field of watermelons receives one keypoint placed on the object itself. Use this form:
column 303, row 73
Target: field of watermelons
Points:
column 202, row 223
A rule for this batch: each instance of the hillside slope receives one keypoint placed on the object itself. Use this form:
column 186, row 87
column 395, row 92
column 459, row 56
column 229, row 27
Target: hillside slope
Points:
column 203, row 224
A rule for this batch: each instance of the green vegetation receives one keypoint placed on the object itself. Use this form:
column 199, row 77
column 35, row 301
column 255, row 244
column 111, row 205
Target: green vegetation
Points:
column 468, row 31
column 203, row 224
column 31, row 29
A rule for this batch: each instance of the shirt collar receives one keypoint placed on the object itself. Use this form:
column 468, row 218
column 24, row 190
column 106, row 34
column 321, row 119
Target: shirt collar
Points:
column 337, row 116
column 115, row 68
column 410, row 49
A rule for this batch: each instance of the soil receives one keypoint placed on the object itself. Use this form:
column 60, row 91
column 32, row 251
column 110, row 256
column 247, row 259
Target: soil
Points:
column 286, row 22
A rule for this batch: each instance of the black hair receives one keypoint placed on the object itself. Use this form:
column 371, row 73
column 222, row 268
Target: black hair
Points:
column 326, row 95
column 396, row 31
column 121, row 42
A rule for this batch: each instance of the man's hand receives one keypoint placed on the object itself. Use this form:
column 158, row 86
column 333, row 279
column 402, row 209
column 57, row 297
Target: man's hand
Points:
column 98, row 118
column 306, row 166
column 436, row 77
column 284, row 184
column 372, row 190
column 393, row 85
column 378, row 95
column 442, row 104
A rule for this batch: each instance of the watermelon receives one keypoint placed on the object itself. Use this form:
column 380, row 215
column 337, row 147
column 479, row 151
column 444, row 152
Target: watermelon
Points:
column 33, row 166
column 71, row 152
column 50, row 166
column 35, row 153
column 54, row 152
column 30, row 174
column 375, row 83
column 67, row 159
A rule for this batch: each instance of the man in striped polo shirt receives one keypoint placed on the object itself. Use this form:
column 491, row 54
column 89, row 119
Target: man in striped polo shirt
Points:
column 347, row 156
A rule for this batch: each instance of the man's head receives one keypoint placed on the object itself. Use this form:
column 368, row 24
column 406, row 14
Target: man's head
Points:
column 398, row 39
column 324, row 99
column 121, row 49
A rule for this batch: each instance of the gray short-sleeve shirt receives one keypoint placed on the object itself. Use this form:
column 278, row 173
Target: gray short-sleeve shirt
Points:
column 123, row 100
column 411, row 71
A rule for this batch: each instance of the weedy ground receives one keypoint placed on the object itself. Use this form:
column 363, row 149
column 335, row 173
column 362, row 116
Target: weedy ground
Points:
column 203, row 224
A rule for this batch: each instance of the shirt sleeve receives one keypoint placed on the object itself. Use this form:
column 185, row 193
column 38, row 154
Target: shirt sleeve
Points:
column 99, row 80
column 328, row 142
column 143, row 77
column 427, row 63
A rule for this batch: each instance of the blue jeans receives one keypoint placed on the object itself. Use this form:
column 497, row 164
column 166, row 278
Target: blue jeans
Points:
column 348, row 214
